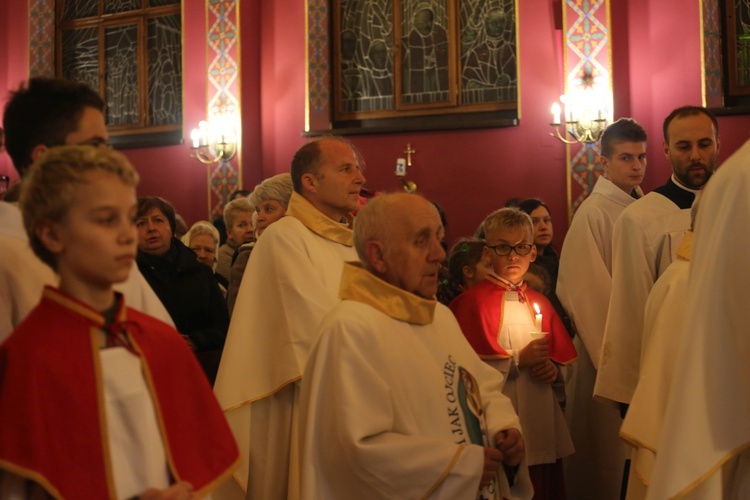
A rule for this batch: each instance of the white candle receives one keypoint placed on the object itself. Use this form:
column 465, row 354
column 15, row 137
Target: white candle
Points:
column 538, row 319
column 194, row 137
column 555, row 114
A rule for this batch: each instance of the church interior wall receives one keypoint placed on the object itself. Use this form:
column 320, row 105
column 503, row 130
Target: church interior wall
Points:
column 656, row 67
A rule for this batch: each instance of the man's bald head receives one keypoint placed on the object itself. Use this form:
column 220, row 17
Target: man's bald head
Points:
column 397, row 237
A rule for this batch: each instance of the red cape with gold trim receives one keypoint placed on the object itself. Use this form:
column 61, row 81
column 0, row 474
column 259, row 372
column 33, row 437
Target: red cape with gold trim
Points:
column 479, row 311
column 52, row 423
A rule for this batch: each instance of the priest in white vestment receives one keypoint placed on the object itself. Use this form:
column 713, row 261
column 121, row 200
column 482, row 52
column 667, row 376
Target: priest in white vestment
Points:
column 394, row 402
column 290, row 282
column 583, row 286
column 645, row 240
column 663, row 333
column 22, row 275
column 704, row 455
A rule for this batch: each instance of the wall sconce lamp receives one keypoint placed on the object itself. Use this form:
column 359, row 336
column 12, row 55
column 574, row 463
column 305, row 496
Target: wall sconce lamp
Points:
column 587, row 108
column 213, row 142
column 580, row 123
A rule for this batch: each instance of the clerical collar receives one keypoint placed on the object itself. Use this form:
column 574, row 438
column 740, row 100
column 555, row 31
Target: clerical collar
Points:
column 360, row 285
column 677, row 193
column 317, row 222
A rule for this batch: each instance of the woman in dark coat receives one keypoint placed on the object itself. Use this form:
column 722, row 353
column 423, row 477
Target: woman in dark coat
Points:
column 186, row 287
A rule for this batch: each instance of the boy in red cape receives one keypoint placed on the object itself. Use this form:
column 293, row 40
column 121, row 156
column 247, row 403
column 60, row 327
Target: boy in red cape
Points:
column 98, row 400
column 498, row 318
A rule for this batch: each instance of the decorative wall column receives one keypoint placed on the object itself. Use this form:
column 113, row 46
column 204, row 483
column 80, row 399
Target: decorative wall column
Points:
column 711, row 54
column 587, row 59
column 223, row 95
column 318, row 64
column 41, row 38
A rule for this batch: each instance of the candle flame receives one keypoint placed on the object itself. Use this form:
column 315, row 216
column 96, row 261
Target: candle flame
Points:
column 536, row 308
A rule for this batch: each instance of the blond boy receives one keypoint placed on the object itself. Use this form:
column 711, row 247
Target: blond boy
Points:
column 105, row 414
column 498, row 318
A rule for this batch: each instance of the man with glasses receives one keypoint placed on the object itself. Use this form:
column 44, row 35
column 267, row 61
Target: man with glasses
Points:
column 43, row 113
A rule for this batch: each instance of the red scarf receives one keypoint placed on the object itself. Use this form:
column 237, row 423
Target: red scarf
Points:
column 52, row 420
column 479, row 311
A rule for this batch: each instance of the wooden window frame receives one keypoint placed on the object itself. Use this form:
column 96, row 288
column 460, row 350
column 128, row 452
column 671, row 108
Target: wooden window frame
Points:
column 450, row 114
column 140, row 134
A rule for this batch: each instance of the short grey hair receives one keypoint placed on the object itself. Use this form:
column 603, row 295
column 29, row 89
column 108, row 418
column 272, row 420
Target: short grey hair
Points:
column 374, row 221
column 202, row 227
column 277, row 188
column 236, row 207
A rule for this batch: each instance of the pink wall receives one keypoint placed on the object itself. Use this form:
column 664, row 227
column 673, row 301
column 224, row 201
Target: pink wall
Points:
column 169, row 171
column 282, row 80
column 14, row 60
column 469, row 172
column 250, row 53
column 657, row 68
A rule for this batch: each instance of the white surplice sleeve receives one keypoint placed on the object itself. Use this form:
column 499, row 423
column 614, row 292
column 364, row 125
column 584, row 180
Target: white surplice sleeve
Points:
column 633, row 276
column 584, row 283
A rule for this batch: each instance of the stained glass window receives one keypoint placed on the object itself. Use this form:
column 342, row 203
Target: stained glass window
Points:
column 737, row 19
column 131, row 52
column 397, row 58
column 80, row 56
column 164, row 70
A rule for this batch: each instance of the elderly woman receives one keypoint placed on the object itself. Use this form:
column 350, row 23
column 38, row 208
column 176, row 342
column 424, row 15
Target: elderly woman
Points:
column 187, row 287
column 203, row 239
column 270, row 199
column 238, row 218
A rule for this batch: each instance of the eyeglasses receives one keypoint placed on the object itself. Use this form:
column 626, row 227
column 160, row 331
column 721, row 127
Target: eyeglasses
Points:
column 504, row 250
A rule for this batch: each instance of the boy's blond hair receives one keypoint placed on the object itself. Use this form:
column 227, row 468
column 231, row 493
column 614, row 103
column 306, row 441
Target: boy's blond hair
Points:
column 234, row 208
column 47, row 191
column 508, row 218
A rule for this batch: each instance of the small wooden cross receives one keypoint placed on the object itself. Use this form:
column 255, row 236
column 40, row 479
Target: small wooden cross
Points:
column 409, row 151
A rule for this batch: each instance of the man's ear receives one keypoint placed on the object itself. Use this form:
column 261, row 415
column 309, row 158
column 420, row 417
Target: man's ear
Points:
column 375, row 253
column 38, row 151
column 665, row 146
column 48, row 233
column 309, row 182
column 605, row 165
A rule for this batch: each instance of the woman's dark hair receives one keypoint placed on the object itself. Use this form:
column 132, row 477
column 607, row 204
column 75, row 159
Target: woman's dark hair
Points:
column 530, row 204
column 466, row 252
column 146, row 203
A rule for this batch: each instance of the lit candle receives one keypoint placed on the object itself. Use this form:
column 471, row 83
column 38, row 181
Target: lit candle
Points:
column 538, row 319
column 555, row 114
column 194, row 137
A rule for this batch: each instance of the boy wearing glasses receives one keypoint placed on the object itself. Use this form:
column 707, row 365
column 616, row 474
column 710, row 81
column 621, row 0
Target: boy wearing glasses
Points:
column 498, row 318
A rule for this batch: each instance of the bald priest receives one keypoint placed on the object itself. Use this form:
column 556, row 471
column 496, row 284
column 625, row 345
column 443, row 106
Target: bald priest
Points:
column 394, row 401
